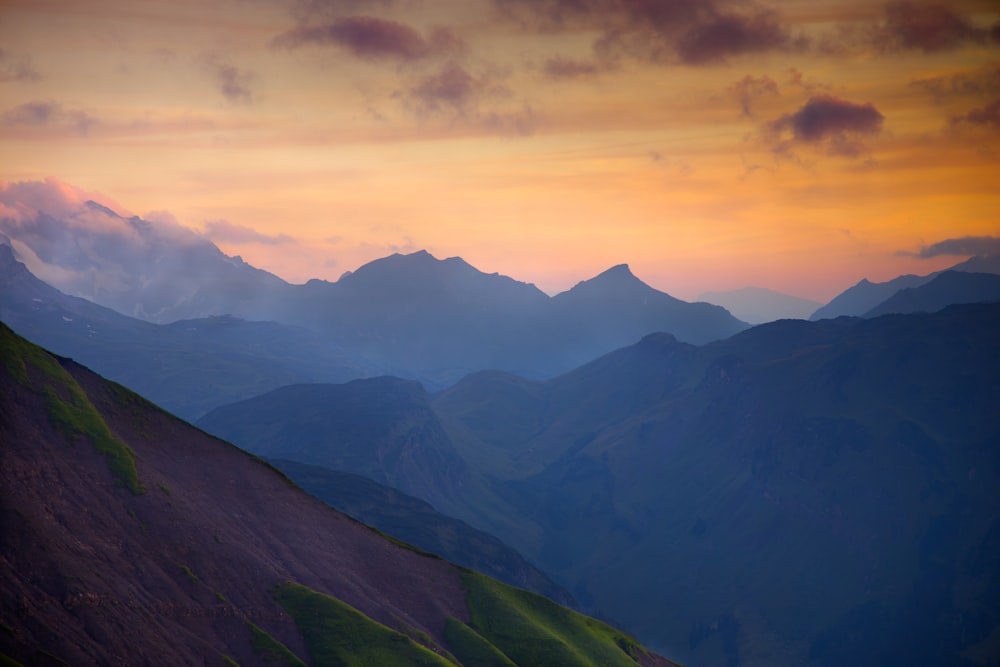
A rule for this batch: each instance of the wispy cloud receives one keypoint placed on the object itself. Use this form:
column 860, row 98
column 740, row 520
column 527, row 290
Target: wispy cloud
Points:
column 690, row 32
column 17, row 67
column 927, row 27
column 229, row 232
column 963, row 246
column 987, row 116
column 984, row 81
column 749, row 88
column 48, row 115
column 373, row 38
column 233, row 83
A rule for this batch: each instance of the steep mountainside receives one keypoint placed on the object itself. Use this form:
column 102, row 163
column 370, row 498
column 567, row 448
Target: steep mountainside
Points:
column 188, row 367
column 131, row 538
column 945, row 289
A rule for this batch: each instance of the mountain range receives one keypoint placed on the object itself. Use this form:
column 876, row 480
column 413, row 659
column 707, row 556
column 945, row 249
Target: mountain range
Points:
column 412, row 316
column 813, row 493
column 132, row 538
column 866, row 296
column 188, row 366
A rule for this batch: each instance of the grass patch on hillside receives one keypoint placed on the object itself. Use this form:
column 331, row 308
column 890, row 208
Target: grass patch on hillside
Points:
column 271, row 649
column 190, row 575
column 533, row 630
column 68, row 405
column 338, row 634
column 471, row 648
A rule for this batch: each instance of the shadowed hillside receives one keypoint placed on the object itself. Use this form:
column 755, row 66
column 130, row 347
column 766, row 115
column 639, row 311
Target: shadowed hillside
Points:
column 130, row 537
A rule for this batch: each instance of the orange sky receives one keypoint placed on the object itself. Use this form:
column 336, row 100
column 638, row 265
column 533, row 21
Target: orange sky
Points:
column 788, row 144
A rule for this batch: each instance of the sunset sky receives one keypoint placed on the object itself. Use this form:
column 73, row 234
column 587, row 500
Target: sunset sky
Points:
column 799, row 145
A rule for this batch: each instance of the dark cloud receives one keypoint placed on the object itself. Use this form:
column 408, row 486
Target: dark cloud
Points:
column 825, row 121
column 825, row 115
column 373, row 38
column 749, row 88
column 927, row 27
column 47, row 115
column 569, row 68
column 228, row 232
column 964, row 246
column 965, row 84
column 691, row 32
column 988, row 116
column 728, row 35
column 16, row 67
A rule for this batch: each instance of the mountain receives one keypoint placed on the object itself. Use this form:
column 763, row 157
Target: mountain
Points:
column 945, row 289
column 413, row 316
column 158, row 271
column 757, row 305
column 813, row 493
column 822, row 492
column 189, row 366
column 382, row 428
column 415, row 522
column 130, row 537
column 615, row 309
column 866, row 296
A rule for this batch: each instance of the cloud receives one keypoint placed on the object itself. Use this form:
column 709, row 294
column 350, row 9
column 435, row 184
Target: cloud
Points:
column 568, row 68
column 690, row 32
column 482, row 100
column 233, row 82
column 48, row 115
column 16, row 67
column 985, row 81
column 749, row 88
column 825, row 120
column 224, row 231
column 927, row 27
column 726, row 35
column 964, row 246
column 988, row 116
column 372, row 38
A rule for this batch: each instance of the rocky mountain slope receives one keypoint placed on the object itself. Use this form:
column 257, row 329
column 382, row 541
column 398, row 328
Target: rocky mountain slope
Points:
column 130, row 537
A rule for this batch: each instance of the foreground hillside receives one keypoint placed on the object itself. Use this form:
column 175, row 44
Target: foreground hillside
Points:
column 130, row 537
column 810, row 493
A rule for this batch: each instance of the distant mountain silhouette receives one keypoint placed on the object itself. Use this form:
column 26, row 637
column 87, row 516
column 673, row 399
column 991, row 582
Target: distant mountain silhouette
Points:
column 810, row 492
column 189, row 366
column 866, row 296
column 861, row 298
column 130, row 537
column 757, row 305
column 412, row 316
column 947, row 288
